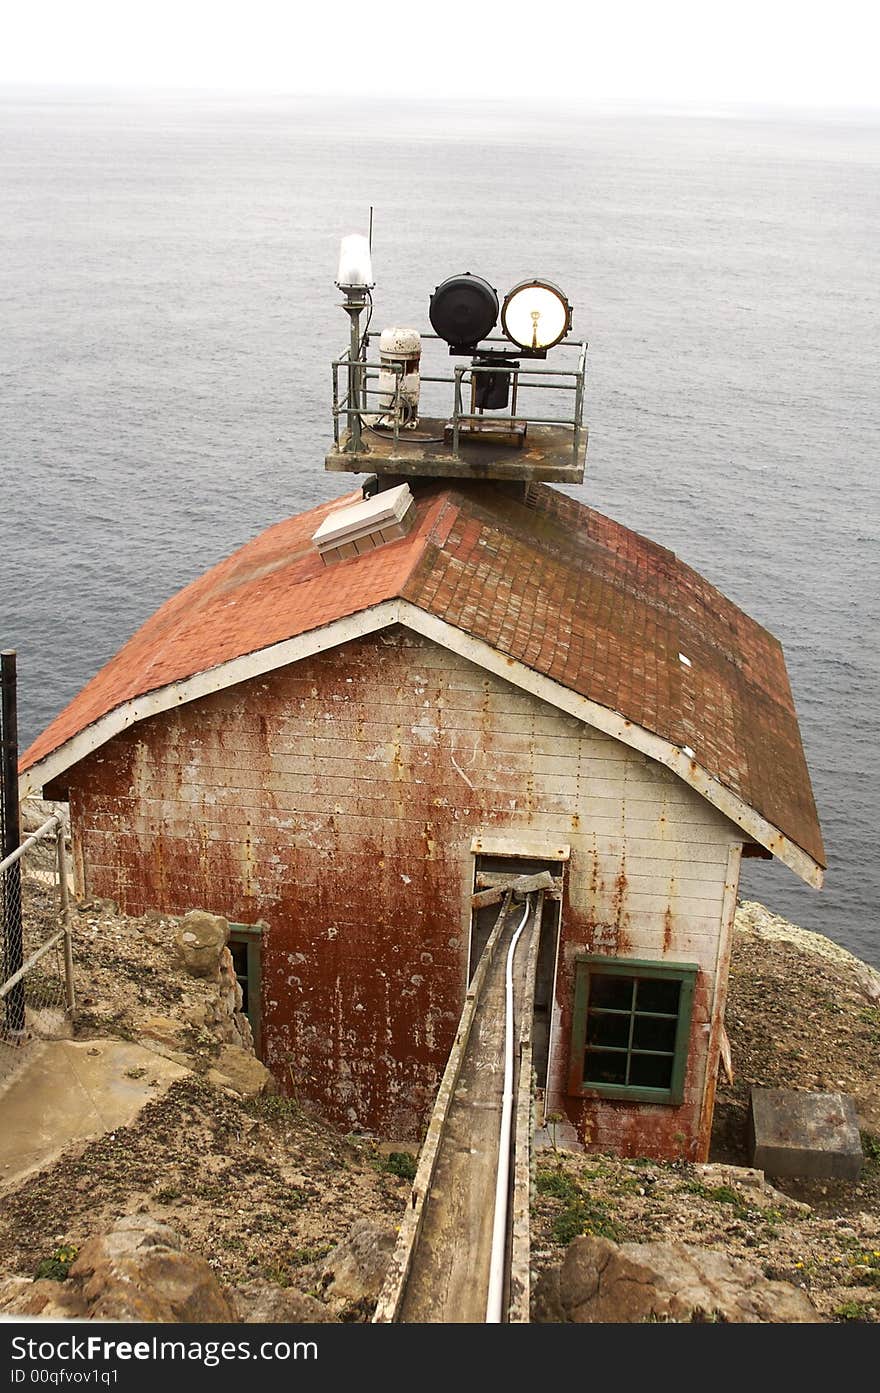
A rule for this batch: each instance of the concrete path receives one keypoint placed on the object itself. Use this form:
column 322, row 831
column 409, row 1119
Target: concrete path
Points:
column 75, row 1090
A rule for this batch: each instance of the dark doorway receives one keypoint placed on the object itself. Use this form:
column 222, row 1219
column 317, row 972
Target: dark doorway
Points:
column 482, row 923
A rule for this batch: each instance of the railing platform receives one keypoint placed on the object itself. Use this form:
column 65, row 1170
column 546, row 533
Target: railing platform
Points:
column 546, row 454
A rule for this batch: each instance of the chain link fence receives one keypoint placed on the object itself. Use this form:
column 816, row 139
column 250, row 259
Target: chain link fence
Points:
column 36, row 966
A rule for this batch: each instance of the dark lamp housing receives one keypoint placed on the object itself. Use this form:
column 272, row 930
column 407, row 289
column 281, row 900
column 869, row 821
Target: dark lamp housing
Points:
column 463, row 310
column 535, row 316
column 492, row 389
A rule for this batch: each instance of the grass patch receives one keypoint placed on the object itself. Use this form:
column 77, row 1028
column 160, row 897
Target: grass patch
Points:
column 559, row 1185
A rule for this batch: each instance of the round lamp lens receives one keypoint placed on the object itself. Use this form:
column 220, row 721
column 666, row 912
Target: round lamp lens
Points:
column 463, row 310
column 536, row 315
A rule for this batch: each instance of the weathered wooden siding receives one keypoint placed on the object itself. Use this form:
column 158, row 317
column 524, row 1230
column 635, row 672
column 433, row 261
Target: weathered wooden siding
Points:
column 336, row 799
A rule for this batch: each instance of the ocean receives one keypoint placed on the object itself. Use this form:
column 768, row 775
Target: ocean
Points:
column 169, row 316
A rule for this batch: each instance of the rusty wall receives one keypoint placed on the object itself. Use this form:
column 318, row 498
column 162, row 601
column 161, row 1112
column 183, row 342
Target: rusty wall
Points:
column 336, row 799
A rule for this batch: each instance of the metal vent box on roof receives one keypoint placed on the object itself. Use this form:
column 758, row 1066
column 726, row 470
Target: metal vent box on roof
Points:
column 362, row 526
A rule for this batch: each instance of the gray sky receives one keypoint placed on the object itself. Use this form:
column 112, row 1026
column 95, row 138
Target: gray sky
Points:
column 776, row 51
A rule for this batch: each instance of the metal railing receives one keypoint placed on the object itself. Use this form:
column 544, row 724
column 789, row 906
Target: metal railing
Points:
column 350, row 407
column 36, row 958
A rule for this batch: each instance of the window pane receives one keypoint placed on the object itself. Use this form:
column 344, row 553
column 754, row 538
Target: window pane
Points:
column 651, row 1033
column 658, row 994
column 608, row 1030
column 602, row 1067
column 651, row 1070
column 610, row 990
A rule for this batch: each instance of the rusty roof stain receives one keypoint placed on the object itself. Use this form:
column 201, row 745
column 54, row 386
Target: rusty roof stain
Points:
column 546, row 580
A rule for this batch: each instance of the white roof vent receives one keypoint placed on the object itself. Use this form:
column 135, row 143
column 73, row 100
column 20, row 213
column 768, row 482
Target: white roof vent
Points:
column 363, row 526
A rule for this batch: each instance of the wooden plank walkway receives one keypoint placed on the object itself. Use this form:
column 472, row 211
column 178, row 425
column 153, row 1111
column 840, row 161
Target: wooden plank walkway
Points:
column 440, row 1270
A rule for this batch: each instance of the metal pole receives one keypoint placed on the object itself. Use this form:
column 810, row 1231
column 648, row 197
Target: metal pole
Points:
column 579, row 401
column 456, row 411
column 65, row 919
column 353, row 305
column 11, row 836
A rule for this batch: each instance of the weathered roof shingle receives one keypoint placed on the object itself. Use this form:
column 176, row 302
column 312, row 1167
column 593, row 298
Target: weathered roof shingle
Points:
column 547, row 581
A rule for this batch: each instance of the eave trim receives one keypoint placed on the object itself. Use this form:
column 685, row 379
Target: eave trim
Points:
column 475, row 650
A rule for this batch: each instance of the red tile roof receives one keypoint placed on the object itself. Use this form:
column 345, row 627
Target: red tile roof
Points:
column 548, row 581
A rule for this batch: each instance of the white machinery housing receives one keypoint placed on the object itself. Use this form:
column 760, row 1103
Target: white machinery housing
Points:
column 400, row 351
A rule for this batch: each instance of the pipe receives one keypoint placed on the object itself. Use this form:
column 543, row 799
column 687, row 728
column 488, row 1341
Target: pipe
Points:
column 495, row 1299
column 51, row 824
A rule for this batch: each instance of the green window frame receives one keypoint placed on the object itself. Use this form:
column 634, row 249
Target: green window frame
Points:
column 249, row 972
column 631, row 1028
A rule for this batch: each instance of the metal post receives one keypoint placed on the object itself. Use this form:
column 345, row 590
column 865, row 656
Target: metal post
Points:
column 354, row 303
column 579, row 401
column 70, row 990
column 335, row 406
column 11, row 836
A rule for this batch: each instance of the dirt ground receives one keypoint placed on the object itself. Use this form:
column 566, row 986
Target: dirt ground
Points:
column 261, row 1188
column 264, row 1188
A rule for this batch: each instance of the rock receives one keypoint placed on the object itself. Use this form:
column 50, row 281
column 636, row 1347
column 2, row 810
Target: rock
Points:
column 164, row 1030
column 223, row 1013
column 258, row 1302
column 137, row 1272
column 200, row 941
column 744, row 1177
column 163, row 1036
column 599, row 1281
column 240, row 1070
column 50, row 1300
column 756, row 1190
column 355, row 1269
column 868, row 979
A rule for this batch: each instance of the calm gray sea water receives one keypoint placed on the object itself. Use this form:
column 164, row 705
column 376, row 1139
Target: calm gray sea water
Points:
column 169, row 313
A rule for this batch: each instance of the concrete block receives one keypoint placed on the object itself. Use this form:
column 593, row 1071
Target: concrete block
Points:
column 812, row 1135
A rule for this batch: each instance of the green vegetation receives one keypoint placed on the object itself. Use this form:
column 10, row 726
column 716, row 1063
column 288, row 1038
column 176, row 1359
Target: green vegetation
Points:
column 871, row 1147
column 399, row 1163
column 557, row 1184
column 720, row 1194
column 581, row 1213
column 273, row 1107
column 853, row 1310
column 869, row 1268
column 57, row 1266
column 301, row 1257
column 167, row 1194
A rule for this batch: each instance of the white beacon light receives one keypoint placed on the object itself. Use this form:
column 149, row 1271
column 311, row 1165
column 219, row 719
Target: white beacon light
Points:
column 355, row 263
column 535, row 315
